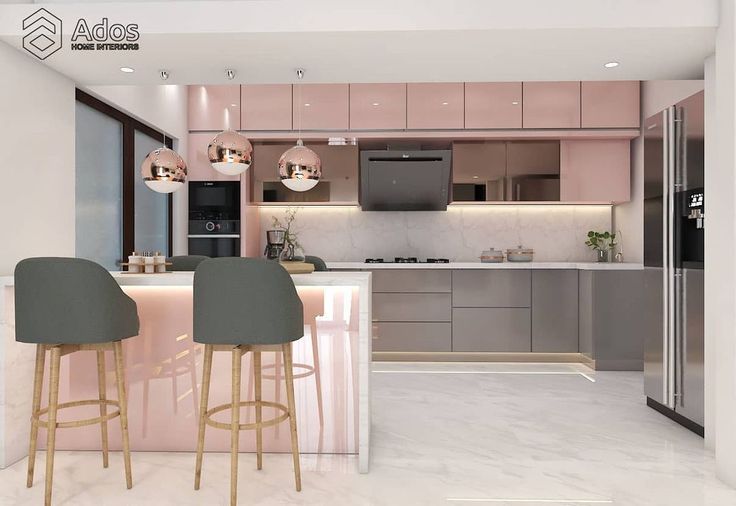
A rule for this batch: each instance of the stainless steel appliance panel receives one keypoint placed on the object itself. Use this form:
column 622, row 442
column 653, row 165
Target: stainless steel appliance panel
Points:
column 654, row 330
column 691, row 398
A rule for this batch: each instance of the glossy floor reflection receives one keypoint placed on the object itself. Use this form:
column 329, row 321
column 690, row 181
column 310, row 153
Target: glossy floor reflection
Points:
column 444, row 434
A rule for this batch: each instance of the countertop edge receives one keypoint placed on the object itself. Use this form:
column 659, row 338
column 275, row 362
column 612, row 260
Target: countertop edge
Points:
column 583, row 266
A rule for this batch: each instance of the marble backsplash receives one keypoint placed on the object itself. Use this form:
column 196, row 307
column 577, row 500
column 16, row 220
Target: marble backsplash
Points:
column 556, row 233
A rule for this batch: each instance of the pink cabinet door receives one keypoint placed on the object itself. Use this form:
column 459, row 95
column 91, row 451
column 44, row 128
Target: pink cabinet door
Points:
column 552, row 104
column 493, row 105
column 198, row 164
column 214, row 107
column 435, row 106
column 378, row 106
column 266, row 107
column 610, row 104
column 595, row 170
column 321, row 106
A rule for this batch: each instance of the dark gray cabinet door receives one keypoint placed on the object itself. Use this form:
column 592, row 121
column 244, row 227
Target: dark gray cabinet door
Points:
column 412, row 307
column 491, row 288
column 412, row 280
column 412, row 336
column 491, row 329
column 555, row 311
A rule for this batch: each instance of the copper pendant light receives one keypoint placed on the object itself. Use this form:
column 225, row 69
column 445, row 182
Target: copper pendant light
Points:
column 163, row 170
column 230, row 153
column 300, row 168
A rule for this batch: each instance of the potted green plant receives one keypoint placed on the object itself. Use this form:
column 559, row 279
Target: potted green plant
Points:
column 602, row 243
column 292, row 249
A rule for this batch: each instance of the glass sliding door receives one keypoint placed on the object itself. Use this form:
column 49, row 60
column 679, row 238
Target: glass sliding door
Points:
column 98, row 186
column 151, row 224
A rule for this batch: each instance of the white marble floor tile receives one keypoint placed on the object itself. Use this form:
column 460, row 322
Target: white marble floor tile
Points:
column 493, row 434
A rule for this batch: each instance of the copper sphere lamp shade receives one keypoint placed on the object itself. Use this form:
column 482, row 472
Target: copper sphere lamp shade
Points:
column 230, row 153
column 300, row 168
column 164, row 171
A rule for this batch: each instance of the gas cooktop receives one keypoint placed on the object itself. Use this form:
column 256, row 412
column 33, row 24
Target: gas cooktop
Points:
column 407, row 260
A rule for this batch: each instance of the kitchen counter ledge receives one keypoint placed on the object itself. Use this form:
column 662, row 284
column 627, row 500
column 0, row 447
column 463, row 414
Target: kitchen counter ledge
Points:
column 583, row 266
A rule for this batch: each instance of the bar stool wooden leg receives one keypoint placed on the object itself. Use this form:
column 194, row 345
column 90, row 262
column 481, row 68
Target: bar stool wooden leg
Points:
column 206, row 375
column 53, row 407
column 235, row 426
column 102, row 387
column 317, row 377
column 37, row 387
column 259, row 408
column 123, row 400
column 289, row 373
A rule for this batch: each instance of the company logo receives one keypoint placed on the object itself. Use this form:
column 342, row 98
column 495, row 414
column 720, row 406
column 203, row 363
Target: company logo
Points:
column 42, row 34
column 104, row 36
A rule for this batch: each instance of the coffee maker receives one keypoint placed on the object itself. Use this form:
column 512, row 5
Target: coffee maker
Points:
column 276, row 240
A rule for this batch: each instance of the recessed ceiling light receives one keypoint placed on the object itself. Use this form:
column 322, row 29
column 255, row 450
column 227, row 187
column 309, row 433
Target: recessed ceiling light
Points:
column 307, row 105
column 127, row 70
column 445, row 103
column 611, row 64
column 375, row 104
column 476, row 177
column 515, row 102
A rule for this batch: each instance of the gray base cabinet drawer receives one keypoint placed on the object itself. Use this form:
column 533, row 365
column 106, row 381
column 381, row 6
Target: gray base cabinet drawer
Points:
column 412, row 307
column 412, row 280
column 417, row 337
column 491, row 329
column 555, row 311
column 491, row 288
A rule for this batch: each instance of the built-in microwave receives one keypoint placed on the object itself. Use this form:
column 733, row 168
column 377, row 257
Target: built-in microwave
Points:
column 214, row 218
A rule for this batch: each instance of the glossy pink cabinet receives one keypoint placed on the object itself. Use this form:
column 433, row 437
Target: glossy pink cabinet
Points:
column 378, row 106
column 321, row 106
column 493, row 105
column 610, row 104
column 266, row 107
column 214, row 107
column 595, row 170
column 551, row 104
column 198, row 164
column 435, row 106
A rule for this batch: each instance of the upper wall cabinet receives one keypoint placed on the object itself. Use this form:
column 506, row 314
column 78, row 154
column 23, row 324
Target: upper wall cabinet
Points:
column 214, row 107
column 378, row 106
column 595, row 170
column 436, row 106
column 266, row 107
column 552, row 104
column 493, row 105
column 610, row 104
column 321, row 106
column 198, row 163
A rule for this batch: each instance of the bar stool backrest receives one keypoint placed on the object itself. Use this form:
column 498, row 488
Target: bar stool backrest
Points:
column 319, row 264
column 186, row 262
column 70, row 301
column 245, row 301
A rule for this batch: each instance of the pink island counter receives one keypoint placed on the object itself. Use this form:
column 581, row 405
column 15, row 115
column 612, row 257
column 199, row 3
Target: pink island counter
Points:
column 164, row 367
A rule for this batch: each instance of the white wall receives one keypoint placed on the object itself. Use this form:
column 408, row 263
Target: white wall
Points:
column 720, row 271
column 165, row 108
column 629, row 217
column 36, row 160
column 556, row 233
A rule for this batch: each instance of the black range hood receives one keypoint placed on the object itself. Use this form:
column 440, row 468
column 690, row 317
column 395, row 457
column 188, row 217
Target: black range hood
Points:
column 405, row 180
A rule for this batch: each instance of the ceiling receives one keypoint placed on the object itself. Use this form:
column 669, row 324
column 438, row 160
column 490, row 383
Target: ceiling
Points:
column 382, row 41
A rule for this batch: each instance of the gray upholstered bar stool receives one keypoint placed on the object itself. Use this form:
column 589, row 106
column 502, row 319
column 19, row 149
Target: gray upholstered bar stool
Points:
column 63, row 305
column 186, row 262
column 246, row 305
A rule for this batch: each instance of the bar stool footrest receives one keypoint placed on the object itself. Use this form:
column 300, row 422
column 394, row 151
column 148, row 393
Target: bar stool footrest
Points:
column 247, row 426
column 308, row 371
column 79, row 423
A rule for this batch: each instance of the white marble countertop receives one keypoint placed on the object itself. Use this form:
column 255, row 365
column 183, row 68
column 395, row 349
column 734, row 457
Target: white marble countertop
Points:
column 583, row 266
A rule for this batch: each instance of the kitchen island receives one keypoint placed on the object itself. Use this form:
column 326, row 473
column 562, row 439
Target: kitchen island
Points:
column 163, row 372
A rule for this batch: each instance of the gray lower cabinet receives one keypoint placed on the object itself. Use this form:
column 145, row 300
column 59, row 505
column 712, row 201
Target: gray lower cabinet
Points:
column 491, row 329
column 412, row 307
column 412, row 280
column 412, row 336
column 555, row 311
column 491, row 288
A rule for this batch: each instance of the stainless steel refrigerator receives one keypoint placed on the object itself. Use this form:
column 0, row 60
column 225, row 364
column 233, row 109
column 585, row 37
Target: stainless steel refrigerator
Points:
column 674, row 232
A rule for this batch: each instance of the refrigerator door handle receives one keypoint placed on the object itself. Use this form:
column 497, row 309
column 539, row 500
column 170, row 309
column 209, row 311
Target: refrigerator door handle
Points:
column 669, row 356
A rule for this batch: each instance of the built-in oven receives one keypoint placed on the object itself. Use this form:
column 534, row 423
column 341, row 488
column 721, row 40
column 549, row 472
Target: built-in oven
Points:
column 214, row 218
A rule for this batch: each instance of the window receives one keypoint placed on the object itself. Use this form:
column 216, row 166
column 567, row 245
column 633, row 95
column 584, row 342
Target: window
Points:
column 115, row 212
